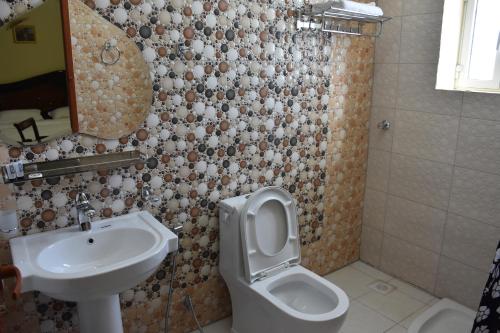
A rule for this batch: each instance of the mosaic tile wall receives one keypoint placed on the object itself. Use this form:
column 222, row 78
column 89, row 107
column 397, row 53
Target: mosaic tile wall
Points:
column 240, row 101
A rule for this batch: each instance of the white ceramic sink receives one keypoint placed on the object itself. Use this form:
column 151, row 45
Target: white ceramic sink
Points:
column 92, row 267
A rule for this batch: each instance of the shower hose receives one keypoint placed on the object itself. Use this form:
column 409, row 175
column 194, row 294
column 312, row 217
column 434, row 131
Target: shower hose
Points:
column 187, row 299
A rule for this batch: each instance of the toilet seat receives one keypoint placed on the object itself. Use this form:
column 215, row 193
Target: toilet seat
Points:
column 269, row 233
column 303, row 294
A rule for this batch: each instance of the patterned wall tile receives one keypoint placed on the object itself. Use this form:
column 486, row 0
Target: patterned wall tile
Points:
column 247, row 102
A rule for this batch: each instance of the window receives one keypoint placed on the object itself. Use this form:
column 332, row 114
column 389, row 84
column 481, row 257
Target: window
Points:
column 470, row 46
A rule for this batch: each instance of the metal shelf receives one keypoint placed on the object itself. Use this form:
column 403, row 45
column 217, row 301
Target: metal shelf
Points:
column 341, row 21
column 50, row 169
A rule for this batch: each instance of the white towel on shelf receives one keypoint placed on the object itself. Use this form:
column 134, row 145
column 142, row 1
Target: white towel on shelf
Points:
column 321, row 6
column 364, row 8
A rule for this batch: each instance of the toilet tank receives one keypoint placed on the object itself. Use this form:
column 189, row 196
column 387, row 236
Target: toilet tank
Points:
column 230, row 256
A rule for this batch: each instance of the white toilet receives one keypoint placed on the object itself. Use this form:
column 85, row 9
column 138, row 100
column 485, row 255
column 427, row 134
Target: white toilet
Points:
column 260, row 262
column 446, row 316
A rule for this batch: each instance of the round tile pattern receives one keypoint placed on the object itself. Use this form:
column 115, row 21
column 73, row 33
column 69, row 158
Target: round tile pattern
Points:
column 240, row 100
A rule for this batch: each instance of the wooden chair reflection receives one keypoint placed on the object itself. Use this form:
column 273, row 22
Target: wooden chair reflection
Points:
column 27, row 123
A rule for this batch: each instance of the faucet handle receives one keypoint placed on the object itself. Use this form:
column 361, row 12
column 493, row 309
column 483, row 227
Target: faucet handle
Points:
column 81, row 198
column 90, row 212
column 148, row 195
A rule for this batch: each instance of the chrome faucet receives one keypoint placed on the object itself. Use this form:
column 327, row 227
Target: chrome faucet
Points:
column 148, row 195
column 84, row 211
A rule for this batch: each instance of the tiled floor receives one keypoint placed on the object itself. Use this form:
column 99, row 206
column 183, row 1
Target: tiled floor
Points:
column 371, row 311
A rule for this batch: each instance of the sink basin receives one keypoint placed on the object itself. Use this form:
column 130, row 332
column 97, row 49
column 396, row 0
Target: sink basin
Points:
column 92, row 267
column 84, row 254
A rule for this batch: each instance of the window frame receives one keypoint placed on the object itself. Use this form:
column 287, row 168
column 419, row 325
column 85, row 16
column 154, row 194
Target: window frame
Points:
column 462, row 81
column 455, row 46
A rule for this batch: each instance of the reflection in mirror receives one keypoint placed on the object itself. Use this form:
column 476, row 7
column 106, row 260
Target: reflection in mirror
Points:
column 34, row 94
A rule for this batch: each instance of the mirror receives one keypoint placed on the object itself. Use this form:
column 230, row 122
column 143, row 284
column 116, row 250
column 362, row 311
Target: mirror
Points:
column 112, row 79
column 37, row 95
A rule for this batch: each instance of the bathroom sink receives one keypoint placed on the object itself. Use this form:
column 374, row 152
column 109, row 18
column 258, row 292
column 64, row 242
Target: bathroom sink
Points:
column 92, row 267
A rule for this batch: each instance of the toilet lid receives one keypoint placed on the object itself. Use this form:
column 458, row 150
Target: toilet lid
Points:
column 269, row 232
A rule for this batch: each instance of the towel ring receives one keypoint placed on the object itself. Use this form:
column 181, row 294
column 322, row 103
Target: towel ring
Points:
column 110, row 54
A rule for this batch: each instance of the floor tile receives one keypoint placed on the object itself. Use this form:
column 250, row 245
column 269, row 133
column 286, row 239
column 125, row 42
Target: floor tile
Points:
column 363, row 319
column 412, row 291
column 221, row 326
column 397, row 329
column 372, row 271
column 395, row 306
column 353, row 282
column 371, row 312
column 408, row 320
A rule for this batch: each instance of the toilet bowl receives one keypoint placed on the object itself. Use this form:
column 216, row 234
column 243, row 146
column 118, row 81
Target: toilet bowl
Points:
column 260, row 263
column 445, row 316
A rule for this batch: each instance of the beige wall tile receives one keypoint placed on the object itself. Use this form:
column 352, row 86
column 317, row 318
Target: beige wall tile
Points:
column 459, row 282
column 413, row 291
column 374, row 209
column 420, row 39
column 476, row 195
column 482, row 106
column 378, row 169
column 417, row 91
column 412, row 7
column 420, row 180
column 391, row 7
column 441, row 165
column 426, row 135
column 479, row 145
column 371, row 245
column 387, row 45
column 470, row 241
column 385, row 85
column 409, row 262
column 418, row 224
column 382, row 139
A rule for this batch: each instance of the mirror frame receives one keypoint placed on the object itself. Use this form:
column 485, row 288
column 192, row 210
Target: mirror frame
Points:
column 68, row 56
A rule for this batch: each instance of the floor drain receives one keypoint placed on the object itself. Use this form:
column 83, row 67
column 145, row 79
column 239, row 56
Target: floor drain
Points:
column 382, row 287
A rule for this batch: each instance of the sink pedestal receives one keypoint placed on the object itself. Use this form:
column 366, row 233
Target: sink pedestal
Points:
column 101, row 315
column 93, row 267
